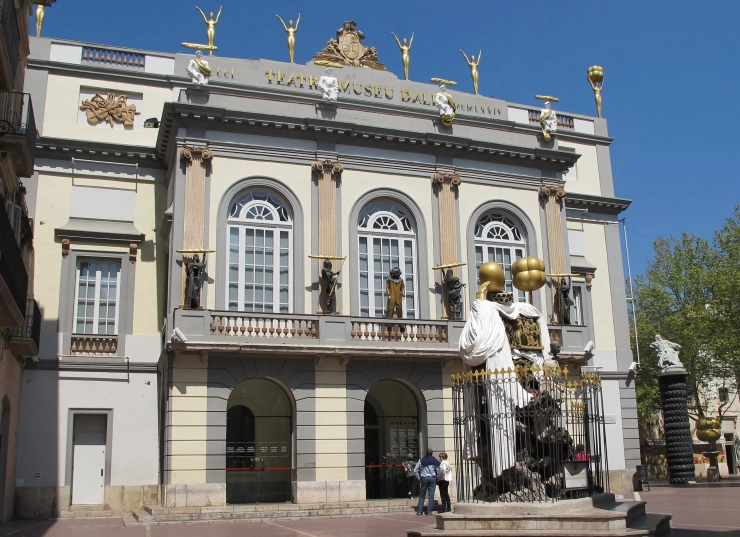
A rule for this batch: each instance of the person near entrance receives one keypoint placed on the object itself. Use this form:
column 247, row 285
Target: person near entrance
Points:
column 427, row 470
column 443, row 482
column 411, row 481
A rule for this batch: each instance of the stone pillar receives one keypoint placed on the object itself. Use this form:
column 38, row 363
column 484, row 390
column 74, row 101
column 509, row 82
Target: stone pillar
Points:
column 328, row 174
column 678, row 442
column 196, row 160
column 447, row 184
column 552, row 197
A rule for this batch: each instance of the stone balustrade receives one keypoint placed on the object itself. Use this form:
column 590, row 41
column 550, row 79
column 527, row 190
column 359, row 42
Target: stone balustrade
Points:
column 263, row 326
column 115, row 58
column 90, row 345
column 399, row 330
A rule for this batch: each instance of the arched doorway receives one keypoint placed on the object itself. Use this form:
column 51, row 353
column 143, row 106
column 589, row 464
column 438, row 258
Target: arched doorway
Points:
column 259, row 443
column 391, row 432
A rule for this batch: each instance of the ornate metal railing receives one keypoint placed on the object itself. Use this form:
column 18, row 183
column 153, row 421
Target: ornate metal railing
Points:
column 528, row 435
column 90, row 345
column 264, row 326
column 564, row 122
column 117, row 58
column 398, row 330
column 16, row 118
column 12, row 33
column 31, row 329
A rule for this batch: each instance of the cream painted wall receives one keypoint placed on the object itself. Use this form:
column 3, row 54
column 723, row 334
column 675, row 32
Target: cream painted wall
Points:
column 63, row 106
column 52, row 211
column 587, row 169
column 356, row 184
column 472, row 196
column 227, row 171
column 331, row 415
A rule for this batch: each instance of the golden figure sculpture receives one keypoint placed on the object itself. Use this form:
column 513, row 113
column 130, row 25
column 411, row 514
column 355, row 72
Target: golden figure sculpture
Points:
column 595, row 76
column 211, row 26
column 291, row 34
column 405, row 53
column 39, row 19
column 396, row 290
column 473, row 68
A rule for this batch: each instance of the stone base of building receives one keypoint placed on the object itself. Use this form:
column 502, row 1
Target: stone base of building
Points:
column 194, row 495
column 49, row 502
column 329, row 491
column 621, row 481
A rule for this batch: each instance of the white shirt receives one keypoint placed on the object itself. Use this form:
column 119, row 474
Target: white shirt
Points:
column 445, row 471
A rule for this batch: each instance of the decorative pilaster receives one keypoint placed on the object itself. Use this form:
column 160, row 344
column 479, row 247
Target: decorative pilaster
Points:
column 328, row 174
column 447, row 184
column 195, row 194
column 553, row 196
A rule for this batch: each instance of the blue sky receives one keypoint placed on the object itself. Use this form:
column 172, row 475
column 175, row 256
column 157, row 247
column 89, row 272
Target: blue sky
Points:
column 668, row 67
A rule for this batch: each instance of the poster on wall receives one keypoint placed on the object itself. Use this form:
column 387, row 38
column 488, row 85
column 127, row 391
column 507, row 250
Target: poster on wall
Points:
column 402, row 437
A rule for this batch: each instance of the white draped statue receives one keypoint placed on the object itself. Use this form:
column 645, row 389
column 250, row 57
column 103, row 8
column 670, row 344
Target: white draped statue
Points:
column 484, row 341
column 329, row 86
column 199, row 70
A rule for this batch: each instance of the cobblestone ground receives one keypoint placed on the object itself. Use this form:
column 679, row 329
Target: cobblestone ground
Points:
column 701, row 510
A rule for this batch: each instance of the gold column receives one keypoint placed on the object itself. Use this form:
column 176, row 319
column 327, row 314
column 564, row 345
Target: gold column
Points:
column 553, row 196
column 328, row 174
column 195, row 194
column 447, row 184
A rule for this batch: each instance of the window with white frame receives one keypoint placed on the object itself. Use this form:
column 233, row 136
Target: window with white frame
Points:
column 15, row 214
column 386, row 240
column 259, row 268
column 577, row 318
column 499, row 239
column 98, row 289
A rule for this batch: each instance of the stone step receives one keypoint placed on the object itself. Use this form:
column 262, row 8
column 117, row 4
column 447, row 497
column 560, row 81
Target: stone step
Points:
column 86, row 514
column 432, row 531
column 592, row 521
column 143, row 516
column 634, row 509
column 658, row 525
column 90, row 507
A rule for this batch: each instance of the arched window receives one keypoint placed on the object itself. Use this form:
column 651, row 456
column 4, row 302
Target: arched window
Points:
column 259, row 229
column 387, row 239
column 499, row 239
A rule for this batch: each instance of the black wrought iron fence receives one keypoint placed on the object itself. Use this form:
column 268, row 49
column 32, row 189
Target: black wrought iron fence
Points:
column 528, row 434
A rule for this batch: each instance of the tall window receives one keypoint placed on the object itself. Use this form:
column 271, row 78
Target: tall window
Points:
column 98, row 293
column 577, row 317
column 260, row 230
column 499, row 239
column 386, row 240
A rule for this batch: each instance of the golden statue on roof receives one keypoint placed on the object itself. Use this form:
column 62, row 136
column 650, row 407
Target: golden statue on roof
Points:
column 347, row 50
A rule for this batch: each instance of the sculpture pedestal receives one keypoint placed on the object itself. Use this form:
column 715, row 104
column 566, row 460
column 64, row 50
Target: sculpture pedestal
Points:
column 678, row 441
column 713, row 470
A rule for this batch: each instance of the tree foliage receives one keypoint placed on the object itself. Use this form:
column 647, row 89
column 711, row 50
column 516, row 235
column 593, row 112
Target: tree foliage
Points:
column 690, row 294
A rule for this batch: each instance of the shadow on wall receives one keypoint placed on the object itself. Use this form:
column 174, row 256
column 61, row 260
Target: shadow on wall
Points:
column 38, row 492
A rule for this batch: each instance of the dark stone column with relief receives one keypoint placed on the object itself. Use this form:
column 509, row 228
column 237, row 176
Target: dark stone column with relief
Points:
column 678, row 442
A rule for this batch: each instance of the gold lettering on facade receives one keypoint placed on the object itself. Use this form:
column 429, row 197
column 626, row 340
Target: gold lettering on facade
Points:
column 313, row 81
column 291, row 80
column 357, row 88
column 344, row 85
column 405, row 95
column 388, row 95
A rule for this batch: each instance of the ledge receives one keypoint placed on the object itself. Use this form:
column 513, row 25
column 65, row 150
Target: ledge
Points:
column 597, row 204
column 99, row 230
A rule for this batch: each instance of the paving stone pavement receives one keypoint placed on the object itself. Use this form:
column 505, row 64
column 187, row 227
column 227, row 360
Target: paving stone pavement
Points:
column 701, row 510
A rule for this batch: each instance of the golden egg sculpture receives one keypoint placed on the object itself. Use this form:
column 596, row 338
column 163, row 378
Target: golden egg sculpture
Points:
column 708, row 429
column 595, row 73
column 493, row 273
column 528, row 273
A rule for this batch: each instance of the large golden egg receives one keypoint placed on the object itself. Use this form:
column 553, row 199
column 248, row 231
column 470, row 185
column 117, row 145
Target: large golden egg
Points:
column 493, row 273
column 596, row 73
column 528, row 273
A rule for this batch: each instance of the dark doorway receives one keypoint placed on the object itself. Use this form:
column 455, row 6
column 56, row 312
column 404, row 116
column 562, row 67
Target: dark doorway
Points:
column 391, row 433
column 258, row 443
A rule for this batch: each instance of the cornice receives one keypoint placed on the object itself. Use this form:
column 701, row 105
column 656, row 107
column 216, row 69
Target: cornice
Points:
column 596, row 204
column 63, row 148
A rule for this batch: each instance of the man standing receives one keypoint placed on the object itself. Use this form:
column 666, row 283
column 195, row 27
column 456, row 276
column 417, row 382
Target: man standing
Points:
column 427, row 470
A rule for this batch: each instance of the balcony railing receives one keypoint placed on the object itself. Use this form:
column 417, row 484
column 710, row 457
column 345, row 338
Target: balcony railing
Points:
column 92, row 345
column 564, row 122
column 205, row 327
column 24, row 340
column 12, row 33
column 116, row 58
column 17, row 119
column 12, row 269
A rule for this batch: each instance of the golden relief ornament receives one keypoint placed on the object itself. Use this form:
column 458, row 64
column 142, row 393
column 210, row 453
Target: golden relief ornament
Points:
column 110, row 110
column 347, row 50
column 523, row 333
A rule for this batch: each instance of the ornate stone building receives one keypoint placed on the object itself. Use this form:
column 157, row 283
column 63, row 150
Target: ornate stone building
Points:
column 256, row 395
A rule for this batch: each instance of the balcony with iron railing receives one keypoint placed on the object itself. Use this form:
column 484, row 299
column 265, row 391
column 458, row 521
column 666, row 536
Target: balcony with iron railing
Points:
column 10, row 44
column 316, row 334
column 24, row 340
column 18, row 130
column 13, row 275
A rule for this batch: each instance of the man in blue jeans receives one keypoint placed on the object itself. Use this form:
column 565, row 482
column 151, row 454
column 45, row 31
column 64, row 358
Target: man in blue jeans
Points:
column 427, row 470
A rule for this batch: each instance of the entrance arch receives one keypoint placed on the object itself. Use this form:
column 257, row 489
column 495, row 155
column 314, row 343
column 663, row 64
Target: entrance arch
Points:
column 259, row 445
column 391, row 432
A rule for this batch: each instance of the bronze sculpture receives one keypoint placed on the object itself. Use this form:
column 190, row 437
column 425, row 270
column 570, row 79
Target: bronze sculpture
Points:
column 194, row 273
column 330, row 285
column 454, row 295
column 396, row 290
column 563, row 302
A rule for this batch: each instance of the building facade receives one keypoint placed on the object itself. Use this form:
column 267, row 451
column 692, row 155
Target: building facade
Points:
column 243, row 390
column 20, row 317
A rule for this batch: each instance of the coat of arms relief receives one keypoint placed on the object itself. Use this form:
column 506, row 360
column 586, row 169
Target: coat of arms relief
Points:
column 347, row 50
